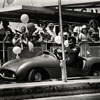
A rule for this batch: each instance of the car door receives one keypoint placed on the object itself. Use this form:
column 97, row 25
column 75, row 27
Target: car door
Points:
column 74, row 72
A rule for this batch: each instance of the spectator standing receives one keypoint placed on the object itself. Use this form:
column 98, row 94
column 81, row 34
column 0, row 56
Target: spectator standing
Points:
column 84, row 38
column 44, row 35
column 20, row 38
column 84, row 35
column 16, row 39
column 93, row 30
column 50, row 30
column 6, row 33
column 70, row 29
column 76, row 33
column 66, row 32
column 23, row 34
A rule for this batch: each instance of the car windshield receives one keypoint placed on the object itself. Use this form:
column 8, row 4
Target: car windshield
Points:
column 46, row 53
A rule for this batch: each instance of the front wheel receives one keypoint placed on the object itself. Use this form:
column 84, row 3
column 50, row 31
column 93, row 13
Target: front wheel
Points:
column 96, row 73
column 35, row 76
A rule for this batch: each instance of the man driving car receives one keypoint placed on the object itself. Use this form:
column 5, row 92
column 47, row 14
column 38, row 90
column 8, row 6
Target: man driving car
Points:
column 71, row 52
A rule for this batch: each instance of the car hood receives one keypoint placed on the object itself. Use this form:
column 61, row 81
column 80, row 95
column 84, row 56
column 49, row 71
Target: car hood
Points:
column 16, row 63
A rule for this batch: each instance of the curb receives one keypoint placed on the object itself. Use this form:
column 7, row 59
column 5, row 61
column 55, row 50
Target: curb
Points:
column 48, row 89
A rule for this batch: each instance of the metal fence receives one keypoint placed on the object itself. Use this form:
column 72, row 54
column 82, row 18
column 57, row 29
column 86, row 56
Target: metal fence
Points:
column 87, row 49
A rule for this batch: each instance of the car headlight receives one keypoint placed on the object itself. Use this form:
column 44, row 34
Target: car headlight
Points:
column 3, row 74
column 13, row 75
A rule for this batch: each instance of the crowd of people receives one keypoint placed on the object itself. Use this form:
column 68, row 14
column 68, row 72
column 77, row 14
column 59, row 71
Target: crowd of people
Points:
column 27, row 35
column 88, row 32
column 45, row 32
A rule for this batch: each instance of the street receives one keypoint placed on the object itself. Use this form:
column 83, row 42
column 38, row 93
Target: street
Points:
column 74, row 97
column 73, row 89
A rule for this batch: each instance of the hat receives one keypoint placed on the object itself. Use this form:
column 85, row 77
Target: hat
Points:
column 50, row 25
column 84, row 26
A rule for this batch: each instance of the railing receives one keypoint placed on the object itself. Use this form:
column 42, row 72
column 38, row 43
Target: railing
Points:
column 87, row 49
column 7, row 54
column 90, row 49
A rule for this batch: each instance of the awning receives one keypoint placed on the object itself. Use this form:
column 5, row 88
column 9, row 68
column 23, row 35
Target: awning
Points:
column 39, row 13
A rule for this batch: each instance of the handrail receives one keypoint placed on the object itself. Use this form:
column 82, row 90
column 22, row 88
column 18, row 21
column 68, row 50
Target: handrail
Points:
column 55, row 42
column 85, row 46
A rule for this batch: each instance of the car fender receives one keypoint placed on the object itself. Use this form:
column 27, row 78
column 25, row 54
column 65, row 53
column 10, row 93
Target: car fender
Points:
column 90, row 63
column 23, row 71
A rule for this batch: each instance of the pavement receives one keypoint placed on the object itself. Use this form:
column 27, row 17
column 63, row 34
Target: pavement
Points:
column 73, row 86
column 95, row 96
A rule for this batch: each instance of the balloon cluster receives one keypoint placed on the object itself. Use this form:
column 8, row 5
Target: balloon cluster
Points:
column 25, row 19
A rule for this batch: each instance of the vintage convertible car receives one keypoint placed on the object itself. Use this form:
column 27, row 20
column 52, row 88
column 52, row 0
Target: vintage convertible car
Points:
column 46, row 66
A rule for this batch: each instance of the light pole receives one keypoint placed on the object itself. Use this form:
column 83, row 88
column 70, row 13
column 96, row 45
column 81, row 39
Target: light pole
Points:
column 3, row 3
column 63, row 63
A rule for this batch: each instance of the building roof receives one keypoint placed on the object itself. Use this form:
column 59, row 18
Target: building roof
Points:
column 14, row 13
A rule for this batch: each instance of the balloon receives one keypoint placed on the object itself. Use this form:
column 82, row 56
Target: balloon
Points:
column 58, row 39
column 66, row 43
column 10, row 1
column 88, row 52
column 31, row 27
column 24, row 18
column 17, row 50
